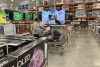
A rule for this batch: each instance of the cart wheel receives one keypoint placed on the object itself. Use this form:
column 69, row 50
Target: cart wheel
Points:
column 61, row 53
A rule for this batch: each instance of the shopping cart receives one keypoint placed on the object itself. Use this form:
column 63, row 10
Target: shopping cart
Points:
column 58, row 43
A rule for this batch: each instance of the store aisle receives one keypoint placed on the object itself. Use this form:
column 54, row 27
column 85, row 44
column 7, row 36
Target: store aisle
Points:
column 82, row 51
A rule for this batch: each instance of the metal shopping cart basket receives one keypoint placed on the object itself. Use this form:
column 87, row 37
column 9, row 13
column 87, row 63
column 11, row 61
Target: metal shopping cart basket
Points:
column 57, row 42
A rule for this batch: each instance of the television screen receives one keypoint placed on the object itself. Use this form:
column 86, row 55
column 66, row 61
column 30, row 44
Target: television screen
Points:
column 4, row 15
column 28, row 16
column 35, row 16
column 18, row 15
column 53, row 17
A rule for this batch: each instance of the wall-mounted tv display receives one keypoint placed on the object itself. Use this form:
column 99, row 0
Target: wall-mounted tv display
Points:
column 35, row 16
column 28, row 16
column 18, row 15
column 53, row 17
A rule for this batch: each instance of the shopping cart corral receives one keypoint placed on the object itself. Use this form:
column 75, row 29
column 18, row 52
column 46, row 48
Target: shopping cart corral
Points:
column 57, row 42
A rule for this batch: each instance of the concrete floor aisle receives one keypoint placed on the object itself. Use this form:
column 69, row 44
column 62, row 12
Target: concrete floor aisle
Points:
column 82, row 51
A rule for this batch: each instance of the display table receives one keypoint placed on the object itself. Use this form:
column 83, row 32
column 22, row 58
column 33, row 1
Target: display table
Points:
column 33, row 54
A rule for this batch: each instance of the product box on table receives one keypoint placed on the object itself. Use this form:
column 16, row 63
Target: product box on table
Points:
column 32, row 55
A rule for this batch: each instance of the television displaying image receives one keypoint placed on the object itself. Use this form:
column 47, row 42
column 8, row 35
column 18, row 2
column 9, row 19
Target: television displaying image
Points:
column 53, row 17
column 35, row 16
column 28, row 16
column 18, row 15
column 4, row 15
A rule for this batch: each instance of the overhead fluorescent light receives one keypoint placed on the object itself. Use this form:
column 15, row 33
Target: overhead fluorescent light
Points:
column 12, row 0
column 32, row 0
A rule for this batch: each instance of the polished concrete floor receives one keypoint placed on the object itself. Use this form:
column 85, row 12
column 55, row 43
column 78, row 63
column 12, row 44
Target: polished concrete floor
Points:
column 83, row 50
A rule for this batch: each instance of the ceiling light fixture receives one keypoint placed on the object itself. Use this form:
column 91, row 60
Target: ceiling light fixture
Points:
column 12, row 0
column 32, row 0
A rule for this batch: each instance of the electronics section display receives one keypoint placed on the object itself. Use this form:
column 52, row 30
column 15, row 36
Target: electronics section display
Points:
column 4, row 18
column 35, row 16
column 83, row 9
column 53, row 17
column 28, row 16
column 18, row 15
column 28, row 56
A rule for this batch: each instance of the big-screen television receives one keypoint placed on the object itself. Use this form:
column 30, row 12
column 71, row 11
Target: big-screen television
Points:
column 4, row 15
column 28, row 16
column 18, row 15
column 53, row 17
column 35, row 16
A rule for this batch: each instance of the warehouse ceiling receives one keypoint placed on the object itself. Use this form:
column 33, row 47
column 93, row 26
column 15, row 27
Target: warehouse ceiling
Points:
column 13, row 4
